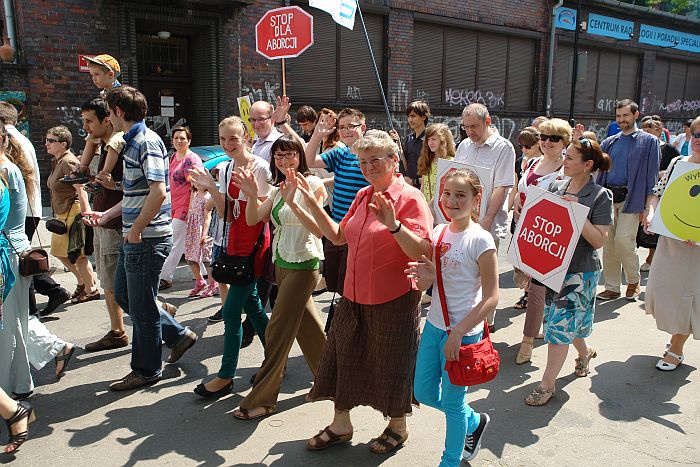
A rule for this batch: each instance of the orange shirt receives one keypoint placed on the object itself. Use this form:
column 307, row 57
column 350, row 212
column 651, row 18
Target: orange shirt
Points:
column 376, row 262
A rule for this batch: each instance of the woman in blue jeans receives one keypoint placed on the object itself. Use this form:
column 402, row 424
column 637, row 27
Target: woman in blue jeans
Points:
column 469, row 269
column 239, row 240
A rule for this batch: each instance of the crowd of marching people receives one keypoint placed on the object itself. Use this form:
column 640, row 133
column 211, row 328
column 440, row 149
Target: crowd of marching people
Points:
column 342, row 208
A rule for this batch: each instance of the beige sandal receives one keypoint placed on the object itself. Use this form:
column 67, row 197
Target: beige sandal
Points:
column 525, row 352
column 581, row 369
column 540, row 396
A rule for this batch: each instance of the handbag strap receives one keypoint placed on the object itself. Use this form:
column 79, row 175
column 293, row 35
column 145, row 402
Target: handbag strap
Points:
column 441, row 288
column 261, row 237
column 10, row 242
column 36, row 227
column 438, row 274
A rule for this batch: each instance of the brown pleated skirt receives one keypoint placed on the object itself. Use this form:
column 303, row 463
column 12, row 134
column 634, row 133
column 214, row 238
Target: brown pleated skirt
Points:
column 370, row 356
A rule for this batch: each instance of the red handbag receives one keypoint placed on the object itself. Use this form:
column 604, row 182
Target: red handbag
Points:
column 479, row 362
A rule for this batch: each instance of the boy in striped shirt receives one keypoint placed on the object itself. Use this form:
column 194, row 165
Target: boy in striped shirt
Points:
column 348, row 181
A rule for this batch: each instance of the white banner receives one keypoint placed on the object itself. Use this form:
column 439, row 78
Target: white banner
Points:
column 342, row 11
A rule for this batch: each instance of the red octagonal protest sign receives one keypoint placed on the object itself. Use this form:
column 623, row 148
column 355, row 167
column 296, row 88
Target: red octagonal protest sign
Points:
column 284, row 33
column 544, row 236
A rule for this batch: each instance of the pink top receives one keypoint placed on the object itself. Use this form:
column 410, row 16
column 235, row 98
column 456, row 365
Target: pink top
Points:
column 376, row 262
column 180, row 186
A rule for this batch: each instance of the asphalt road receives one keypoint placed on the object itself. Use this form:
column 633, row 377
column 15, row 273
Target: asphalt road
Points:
column 625, row 413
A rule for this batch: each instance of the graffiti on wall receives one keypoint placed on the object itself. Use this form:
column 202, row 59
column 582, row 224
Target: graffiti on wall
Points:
column 268, row 92
column 19, row 100
column 163, row 125
column 652, row 104
column 464, row 97
column 71, row 118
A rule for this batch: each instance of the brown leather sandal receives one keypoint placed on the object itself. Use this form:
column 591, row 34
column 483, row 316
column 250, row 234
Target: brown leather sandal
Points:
column 244, row 414
column 332, row 439
column 383, row 441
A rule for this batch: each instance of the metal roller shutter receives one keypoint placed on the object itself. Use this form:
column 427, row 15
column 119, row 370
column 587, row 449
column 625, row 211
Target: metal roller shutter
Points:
column 460, row 65
column 606, row 86
column 427, row 63
column 521, row 64
column 312, row 75
column 692, row 91
column 627, row 84
column 491, row 74
column 676, row 81
column 358, row 83
column 585, row 92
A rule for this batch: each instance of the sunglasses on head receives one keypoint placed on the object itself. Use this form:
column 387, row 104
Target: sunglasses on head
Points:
column 585, row 142
column 552, row 138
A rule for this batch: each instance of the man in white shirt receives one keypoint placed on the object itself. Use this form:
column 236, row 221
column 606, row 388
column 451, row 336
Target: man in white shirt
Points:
column 42, row 283
column 492, row 157
column 264, row 128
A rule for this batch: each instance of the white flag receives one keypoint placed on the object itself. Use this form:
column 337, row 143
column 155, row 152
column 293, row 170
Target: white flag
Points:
column 342, row 11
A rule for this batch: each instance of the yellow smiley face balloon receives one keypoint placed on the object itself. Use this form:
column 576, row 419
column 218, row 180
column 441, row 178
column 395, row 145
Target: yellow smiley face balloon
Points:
column 680, row 210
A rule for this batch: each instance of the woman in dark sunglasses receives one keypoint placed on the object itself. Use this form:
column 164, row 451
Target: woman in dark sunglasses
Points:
column 555, row 135
column 529, row 144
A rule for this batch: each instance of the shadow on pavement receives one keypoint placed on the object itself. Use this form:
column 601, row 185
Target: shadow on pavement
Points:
column 648, row 391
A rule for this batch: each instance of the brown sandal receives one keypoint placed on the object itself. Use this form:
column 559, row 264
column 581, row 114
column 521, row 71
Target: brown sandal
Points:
column 540, row 396
column 87, row 296
column 383, row 441
column 581, row 369
column 332, row 439
column 79, row 290
column 244, row 414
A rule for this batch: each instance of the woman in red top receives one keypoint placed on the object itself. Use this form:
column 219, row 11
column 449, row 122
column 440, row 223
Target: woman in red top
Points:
column 240, row 240
column 370, row 355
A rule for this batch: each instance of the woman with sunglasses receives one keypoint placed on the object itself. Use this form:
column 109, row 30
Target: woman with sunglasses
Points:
column 67, row 202
column 554, row 137
column 673, row 290
column 568, row 314
column 529, row 144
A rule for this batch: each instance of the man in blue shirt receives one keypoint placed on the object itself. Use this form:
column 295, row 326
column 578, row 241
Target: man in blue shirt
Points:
column 635, row 170
column 147, row 232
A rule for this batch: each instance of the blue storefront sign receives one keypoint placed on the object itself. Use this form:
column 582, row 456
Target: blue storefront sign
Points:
column 668, row 38
column 610, row 27
column 565, row 18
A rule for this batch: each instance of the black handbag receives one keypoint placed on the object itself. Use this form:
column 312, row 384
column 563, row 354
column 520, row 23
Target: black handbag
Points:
column 58, row 226
column 235, row 270
column 619, row 193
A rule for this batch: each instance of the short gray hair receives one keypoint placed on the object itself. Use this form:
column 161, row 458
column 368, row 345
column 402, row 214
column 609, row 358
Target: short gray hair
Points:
column 476, row 110
column 376, row 139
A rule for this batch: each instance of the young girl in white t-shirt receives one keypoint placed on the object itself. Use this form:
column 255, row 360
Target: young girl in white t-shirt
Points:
column 470, row 278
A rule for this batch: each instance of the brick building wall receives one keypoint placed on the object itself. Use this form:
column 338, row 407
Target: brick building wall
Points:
column 51, row 35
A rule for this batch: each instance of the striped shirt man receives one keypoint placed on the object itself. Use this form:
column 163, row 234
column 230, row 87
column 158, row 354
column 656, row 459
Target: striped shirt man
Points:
column 145, row 161
column 348, row 179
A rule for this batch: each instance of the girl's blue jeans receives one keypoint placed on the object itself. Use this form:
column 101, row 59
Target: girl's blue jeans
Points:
column 432, row 387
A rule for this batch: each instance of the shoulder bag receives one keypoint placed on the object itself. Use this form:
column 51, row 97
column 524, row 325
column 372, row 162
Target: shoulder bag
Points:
column 58, row 226
column 231, row 269
column 479, row 362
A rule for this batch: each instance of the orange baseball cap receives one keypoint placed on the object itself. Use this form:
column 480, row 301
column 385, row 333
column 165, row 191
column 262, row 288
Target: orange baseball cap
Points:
column 107, row 61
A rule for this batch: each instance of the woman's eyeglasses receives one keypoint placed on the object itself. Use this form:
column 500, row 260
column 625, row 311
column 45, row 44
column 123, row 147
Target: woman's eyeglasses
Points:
column 524, row 146
column 552, row 138
column 285, row 155
column 696, row 135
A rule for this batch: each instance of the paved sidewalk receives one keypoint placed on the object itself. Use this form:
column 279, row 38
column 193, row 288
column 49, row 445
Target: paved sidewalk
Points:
column 625, row 413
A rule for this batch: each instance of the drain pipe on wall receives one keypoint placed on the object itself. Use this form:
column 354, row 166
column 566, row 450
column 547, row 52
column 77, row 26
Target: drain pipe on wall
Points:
column 550, row 58
column 10, row 25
